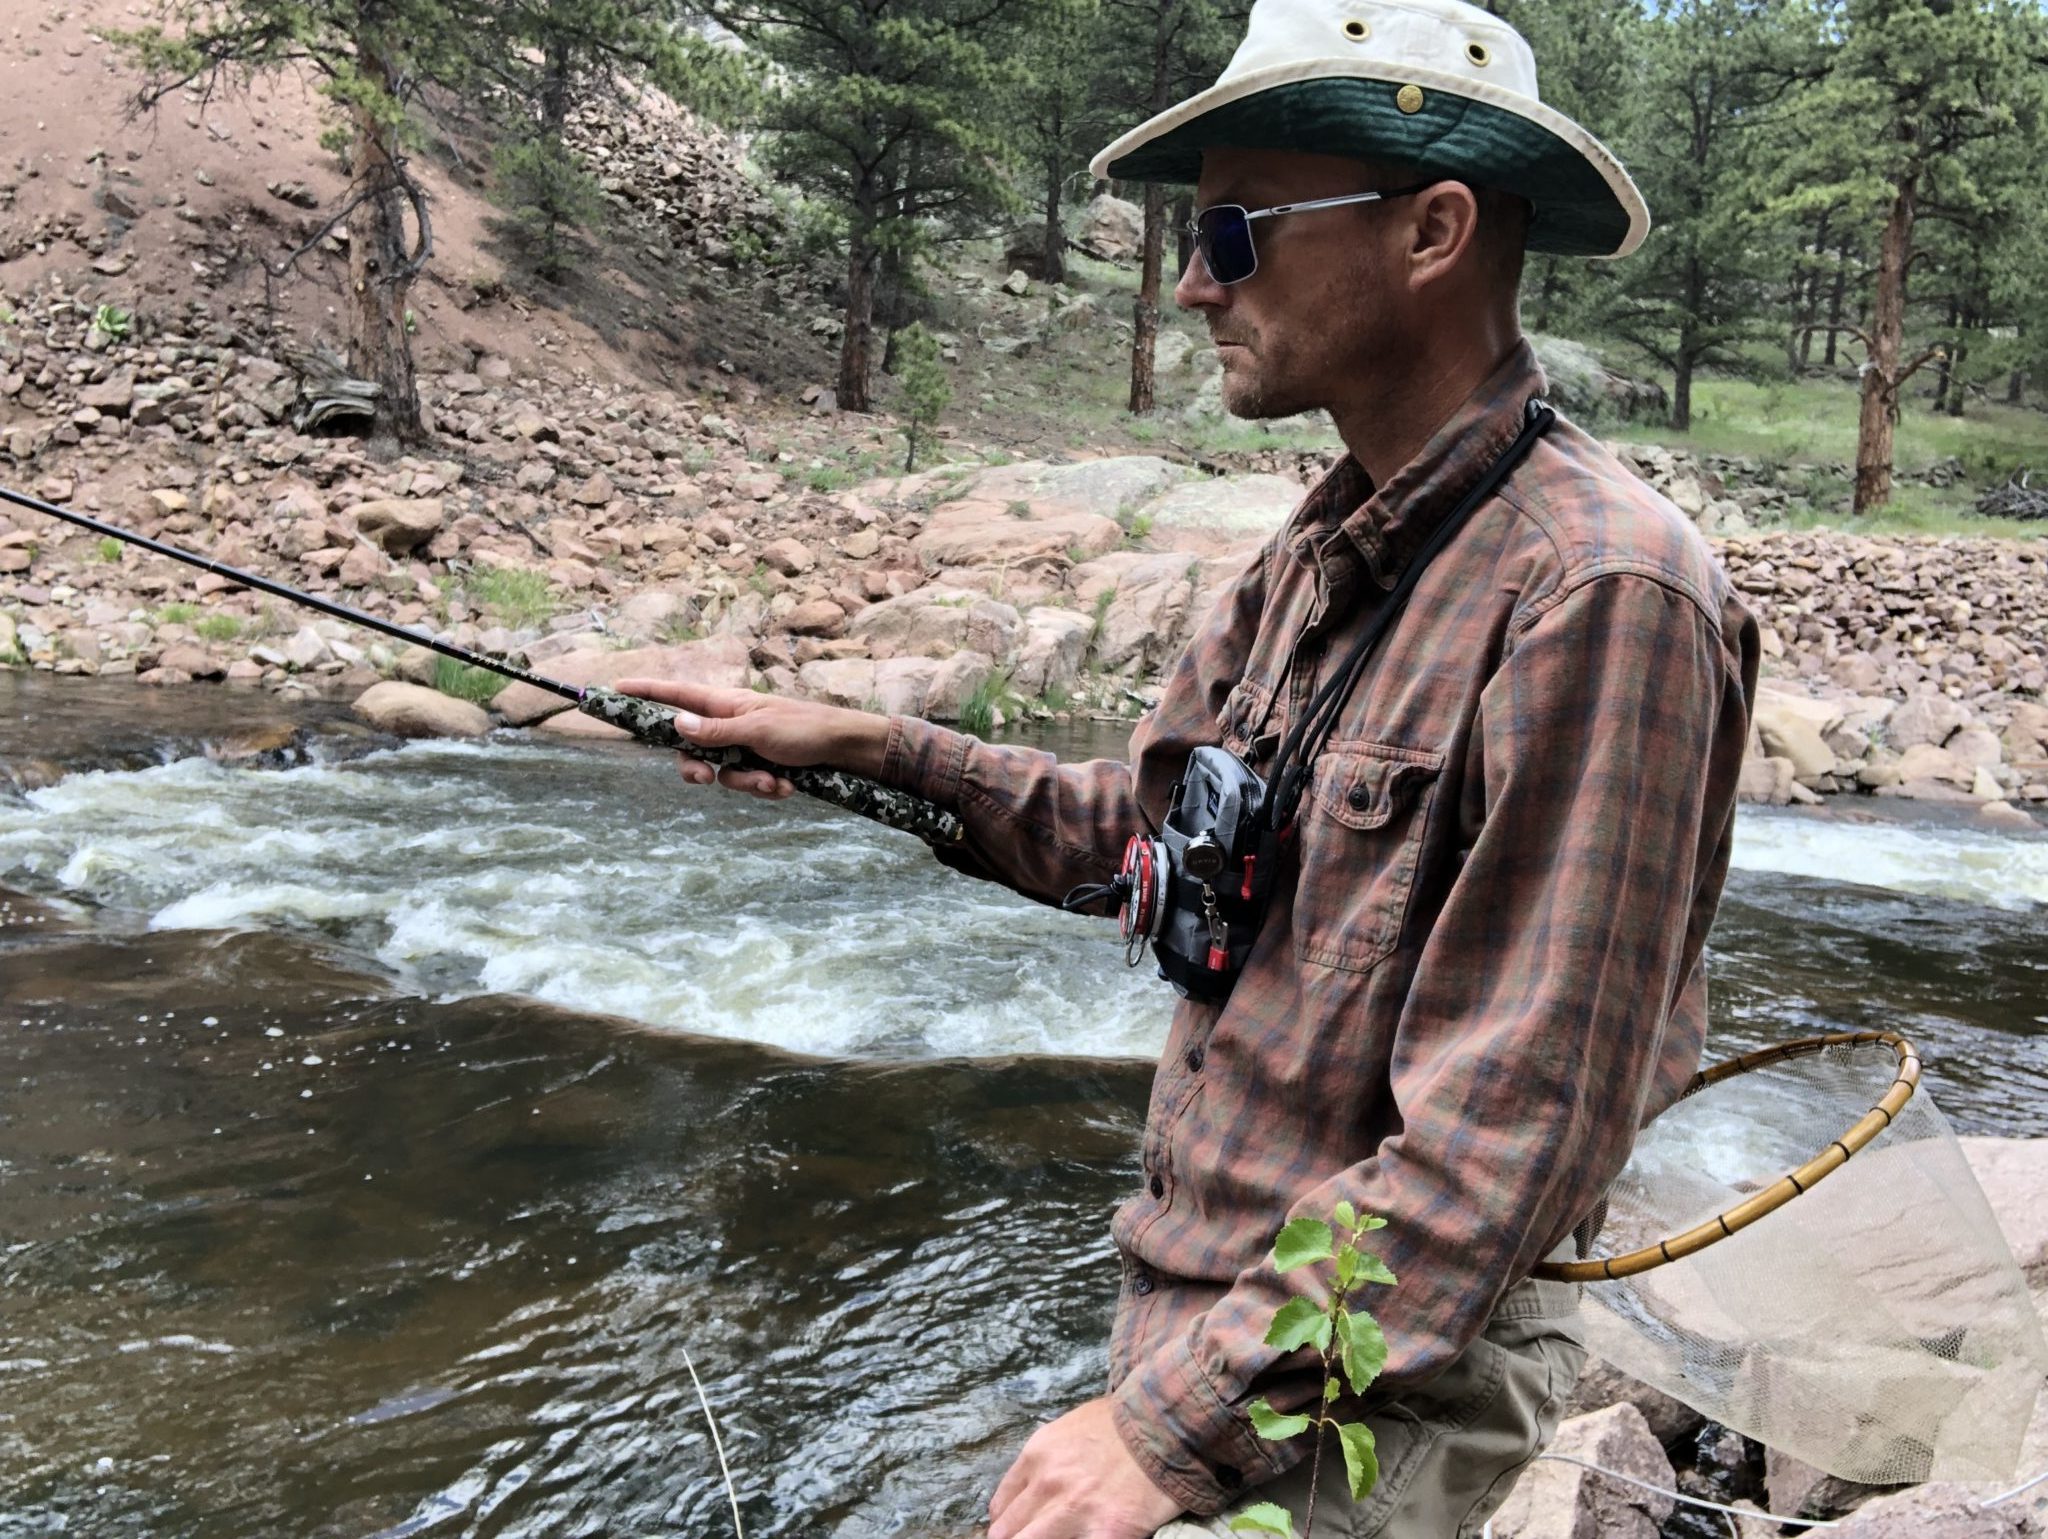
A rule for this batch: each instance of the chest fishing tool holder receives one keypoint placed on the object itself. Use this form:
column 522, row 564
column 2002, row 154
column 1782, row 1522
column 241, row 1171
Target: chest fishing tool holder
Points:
column 1197, row 891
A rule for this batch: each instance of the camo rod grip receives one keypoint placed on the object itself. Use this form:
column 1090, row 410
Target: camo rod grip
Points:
column 655, row 724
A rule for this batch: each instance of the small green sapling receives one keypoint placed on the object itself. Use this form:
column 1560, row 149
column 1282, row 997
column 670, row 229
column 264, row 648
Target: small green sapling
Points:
column 1353, row 1352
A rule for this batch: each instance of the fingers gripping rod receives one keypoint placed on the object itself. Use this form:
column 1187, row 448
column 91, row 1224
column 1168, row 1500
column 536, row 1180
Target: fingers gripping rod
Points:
column 646, row 720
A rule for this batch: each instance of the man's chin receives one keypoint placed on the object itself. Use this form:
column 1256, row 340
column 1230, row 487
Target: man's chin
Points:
column 1252, row 401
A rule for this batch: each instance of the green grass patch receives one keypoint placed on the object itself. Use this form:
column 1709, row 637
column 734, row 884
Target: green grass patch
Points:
column 465, row 681
column 518, row 598
column 174, row 614
column 978, row 710
column 217, row 627
column 1916, row 509
column 109, row 549
column 1814, row 420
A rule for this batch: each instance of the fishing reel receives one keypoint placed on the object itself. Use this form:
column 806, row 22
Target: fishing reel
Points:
column 1196, row 892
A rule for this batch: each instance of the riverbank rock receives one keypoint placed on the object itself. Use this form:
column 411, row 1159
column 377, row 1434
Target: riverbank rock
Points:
column 2014, row 1175
column 1939, row 1512
column 398, row 525
column 1601, row 1385
column 718, row 661
column 1555, row 1500
column 412, row 710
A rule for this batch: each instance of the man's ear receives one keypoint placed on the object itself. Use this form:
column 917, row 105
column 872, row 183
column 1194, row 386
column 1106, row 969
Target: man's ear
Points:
column 1443, row 225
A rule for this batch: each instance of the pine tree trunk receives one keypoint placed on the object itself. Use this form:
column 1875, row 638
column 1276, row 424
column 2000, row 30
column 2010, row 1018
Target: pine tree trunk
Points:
column 1952, row 365
column 554, row 88
column 891, row 304
column 379, row 278
column 1053, row 263
column 1836, row 300
column 1944, row 366
column 1689, row 349
column 1183, row 243
column 1880, row 408
column 1145, row 311
column 857, row 340
column 2016, row 387
column 1809, row 309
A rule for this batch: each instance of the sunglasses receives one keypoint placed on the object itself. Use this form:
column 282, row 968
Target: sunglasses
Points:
column 1223, row 233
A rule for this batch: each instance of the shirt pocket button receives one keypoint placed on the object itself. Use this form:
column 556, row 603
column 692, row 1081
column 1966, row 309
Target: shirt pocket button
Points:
column 1158, row 1188
column 1360, row 798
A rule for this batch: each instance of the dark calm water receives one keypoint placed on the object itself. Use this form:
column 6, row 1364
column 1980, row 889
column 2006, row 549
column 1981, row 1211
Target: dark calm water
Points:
column 378, row 1135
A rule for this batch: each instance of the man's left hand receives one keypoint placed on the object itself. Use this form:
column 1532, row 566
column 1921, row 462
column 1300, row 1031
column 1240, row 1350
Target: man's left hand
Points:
column 1076, row 1480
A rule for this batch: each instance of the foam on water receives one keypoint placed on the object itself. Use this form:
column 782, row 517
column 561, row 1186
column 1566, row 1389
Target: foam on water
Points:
column 594, row 882
column 1968, row 864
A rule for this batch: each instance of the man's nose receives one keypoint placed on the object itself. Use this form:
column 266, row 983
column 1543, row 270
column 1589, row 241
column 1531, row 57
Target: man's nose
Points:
column 1196, row 290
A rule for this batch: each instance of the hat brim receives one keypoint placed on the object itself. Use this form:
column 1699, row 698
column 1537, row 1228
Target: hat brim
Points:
column 1582, row 200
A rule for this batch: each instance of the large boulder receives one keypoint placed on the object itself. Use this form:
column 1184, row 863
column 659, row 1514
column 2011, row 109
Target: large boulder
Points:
column 1145, row 614
column 1602, row 1385
column 720, row 661
column 1939, row 1511
column 1222, row 513
column 413, row 710
column 937, row 622
column 2014, row 1175
column 896, row 686
column 1055, row 646
column 1789, row 733
column 400, row 525
column 1112, row 229
column 1926, row 717
column 1555, row 1500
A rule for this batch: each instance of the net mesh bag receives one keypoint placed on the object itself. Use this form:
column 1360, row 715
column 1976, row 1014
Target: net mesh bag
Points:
column 1876, row 1326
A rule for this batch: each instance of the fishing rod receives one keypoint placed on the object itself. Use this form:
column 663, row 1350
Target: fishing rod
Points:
column 650, row 722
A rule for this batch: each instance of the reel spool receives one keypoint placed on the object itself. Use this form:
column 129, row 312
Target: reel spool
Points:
column 1142, row 881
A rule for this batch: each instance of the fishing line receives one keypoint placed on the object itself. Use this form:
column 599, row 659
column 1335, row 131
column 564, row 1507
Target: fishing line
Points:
column 646, row 720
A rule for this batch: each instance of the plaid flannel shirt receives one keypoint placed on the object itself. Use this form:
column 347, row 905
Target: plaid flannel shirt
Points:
column 1486, row 973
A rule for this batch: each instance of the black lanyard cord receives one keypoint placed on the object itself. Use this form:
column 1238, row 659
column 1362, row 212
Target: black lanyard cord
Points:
column 1306, row 739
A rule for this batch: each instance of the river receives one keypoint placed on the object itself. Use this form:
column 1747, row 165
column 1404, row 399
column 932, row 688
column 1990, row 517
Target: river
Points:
column 380, row 1133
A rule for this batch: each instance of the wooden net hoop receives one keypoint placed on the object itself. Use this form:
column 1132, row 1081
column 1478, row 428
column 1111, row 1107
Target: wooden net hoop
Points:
column 1792, row 1184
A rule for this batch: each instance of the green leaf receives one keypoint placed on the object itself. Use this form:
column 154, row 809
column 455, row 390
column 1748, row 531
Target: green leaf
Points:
column 1373, row 1270
column 1345, row 1215
column 1297, row 1323
column 1331, row 1389
column 1361, row 1457
column 1271, row 1425
column 1347, row 1266
column 1303, row 1240
column 1370, row 1222
column 1363, row 1349
column 1265, row 1518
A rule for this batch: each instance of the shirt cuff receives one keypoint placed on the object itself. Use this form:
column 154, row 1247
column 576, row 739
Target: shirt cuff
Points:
column 927, row 760
column 1188, row 1441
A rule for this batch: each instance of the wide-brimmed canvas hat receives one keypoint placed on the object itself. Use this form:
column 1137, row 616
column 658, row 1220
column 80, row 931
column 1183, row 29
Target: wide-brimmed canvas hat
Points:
column 1435, row 84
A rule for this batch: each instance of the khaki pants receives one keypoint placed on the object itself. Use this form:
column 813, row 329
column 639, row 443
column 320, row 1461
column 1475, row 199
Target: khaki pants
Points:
column 1450, row 1450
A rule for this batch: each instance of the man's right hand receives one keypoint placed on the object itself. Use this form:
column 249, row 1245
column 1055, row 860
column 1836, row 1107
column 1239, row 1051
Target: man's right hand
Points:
column 794, row 733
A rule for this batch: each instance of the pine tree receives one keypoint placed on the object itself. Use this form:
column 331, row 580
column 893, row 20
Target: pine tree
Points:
column 1712, row 71
column 881, row 108
column 1915, row 87
column 373, row 60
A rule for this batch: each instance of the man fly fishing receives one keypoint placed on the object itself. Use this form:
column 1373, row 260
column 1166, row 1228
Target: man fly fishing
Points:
column 1486, row 694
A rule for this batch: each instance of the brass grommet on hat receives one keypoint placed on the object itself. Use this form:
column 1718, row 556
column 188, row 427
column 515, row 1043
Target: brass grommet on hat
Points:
column 1409, row 98
column 1357, row 30
column 1478, row 54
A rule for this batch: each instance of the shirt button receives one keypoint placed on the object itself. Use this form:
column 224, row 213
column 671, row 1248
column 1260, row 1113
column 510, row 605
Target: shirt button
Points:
column 1360, row 798
column 1194, row 1060
column 1142, row 1283
column 1158, row 1187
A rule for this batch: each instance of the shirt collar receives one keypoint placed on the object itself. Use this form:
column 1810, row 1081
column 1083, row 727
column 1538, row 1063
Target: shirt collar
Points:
column 1386, row 525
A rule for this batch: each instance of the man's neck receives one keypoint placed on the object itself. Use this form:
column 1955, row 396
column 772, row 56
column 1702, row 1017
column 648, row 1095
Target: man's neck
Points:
column 1389, row 420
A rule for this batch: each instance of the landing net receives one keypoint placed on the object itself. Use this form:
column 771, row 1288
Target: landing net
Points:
column 1857, row 1308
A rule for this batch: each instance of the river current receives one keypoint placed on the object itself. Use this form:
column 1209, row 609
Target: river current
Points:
column 379, row 1133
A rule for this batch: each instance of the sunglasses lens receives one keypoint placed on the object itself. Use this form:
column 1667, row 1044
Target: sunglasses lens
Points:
column 1224, row 237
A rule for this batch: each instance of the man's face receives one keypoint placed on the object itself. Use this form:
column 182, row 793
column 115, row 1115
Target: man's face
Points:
column 1327, row 301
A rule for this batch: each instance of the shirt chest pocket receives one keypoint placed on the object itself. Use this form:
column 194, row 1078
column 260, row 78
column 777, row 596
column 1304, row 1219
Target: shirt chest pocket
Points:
column 1361, row 828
